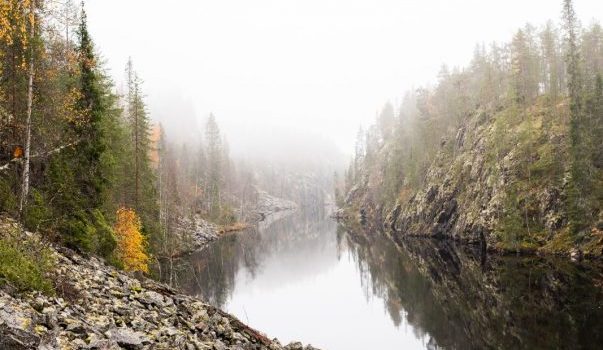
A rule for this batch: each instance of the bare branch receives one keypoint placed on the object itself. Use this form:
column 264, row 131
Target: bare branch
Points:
column 37, row 155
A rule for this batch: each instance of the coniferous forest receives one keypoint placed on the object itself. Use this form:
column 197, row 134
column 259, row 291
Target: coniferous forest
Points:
column 468, row 211
column 77, row 152
column 506, row 150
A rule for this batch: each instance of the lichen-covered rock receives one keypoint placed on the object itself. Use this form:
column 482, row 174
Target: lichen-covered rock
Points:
column 127, row 338
column 197, row 231
column 294, row 346
column 268, row 204
column 99, row 307
column 477, row 189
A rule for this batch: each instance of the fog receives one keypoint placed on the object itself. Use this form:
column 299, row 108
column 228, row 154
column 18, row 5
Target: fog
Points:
column 313, row 69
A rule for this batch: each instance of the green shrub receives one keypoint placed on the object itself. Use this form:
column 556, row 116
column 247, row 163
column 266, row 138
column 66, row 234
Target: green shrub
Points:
column 105, row 238
column 8, row 200
column 25, row 265
column 77, row 231
column 37, row 212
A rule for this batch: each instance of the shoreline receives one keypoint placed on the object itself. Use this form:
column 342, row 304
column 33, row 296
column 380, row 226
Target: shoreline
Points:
column 575, row 255
column 96, row 306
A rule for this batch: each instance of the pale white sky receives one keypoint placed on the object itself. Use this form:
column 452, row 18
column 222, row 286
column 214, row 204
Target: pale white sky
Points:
column 318, row 66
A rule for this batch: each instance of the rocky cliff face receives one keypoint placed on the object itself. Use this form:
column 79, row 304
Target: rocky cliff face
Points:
column 99, row 307
column 459, row 198
column 268, row 204
column 467, row 189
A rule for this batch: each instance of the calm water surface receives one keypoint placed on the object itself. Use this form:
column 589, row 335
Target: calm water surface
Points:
column 304, row 278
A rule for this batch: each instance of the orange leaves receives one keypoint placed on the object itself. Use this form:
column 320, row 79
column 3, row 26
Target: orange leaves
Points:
column 18, row 152
column 155, row 138
column 131, row 244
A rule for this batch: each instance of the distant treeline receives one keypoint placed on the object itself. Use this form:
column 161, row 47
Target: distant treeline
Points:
column 83, row 163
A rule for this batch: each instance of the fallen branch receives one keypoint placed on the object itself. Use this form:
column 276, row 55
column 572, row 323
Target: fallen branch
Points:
column 37, row 155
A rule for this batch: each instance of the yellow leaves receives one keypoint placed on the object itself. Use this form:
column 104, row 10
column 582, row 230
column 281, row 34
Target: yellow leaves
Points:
column 69, row 110
column 5, row 25
column 131, row 244
column 16, row 18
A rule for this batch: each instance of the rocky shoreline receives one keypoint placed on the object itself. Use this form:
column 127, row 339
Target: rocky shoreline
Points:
column 97, row 306
column 268, row 204
column 198, row 232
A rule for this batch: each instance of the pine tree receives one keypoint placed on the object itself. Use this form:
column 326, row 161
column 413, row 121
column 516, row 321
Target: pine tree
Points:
column 551, row 66
column 93, row 182
column 579, row 186
column 524, row 66
column 144, row 193
column 214, row 166
column 360, row 150
column 386, row 121
column 200, row 176
column 79, row 176
column 596, row 121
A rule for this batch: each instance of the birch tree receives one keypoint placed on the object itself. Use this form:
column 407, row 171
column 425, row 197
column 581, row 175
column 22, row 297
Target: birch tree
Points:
column 32, row 33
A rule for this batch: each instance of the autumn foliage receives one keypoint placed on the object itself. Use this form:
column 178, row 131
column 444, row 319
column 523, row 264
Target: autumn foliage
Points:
column 131, row 244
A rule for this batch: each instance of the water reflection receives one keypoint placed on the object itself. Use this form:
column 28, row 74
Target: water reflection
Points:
column 303, row 277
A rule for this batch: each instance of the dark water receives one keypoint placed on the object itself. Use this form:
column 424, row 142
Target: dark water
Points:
column 305, row 278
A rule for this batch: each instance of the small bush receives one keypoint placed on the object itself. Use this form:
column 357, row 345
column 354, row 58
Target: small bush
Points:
column 105, row 237
column 25, row 264
column 37, row 212
column 77, row 231
column 8, row 200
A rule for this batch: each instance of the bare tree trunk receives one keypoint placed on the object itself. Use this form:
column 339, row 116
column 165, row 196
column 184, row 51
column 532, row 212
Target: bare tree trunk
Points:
column 171, row 270
column 25, row 186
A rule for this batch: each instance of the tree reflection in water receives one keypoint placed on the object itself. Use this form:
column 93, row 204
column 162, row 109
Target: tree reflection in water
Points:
column 450, row 296
column 464, row 301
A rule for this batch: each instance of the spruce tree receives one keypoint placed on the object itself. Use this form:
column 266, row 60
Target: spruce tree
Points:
column 144, row 193
column 214, row 165
column 78, row 176
column 579, row 186
column 596, row 121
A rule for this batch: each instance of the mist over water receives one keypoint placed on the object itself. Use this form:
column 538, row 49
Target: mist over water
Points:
column 303, row 276
column 299, row 278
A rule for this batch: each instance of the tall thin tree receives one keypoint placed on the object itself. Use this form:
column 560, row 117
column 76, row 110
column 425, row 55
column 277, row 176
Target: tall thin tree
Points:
column 32, row 33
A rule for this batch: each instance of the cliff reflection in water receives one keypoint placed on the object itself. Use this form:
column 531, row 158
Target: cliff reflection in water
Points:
column 443, row 295
column 466, row 300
